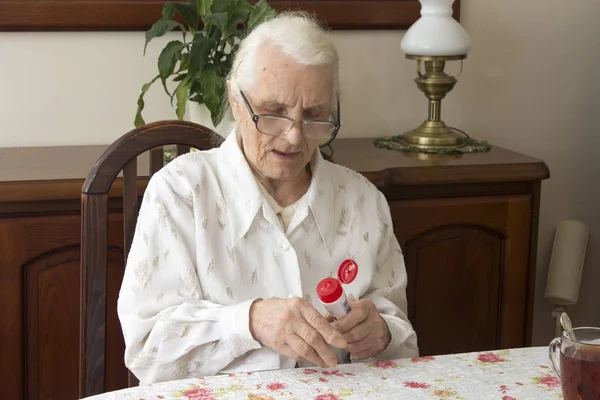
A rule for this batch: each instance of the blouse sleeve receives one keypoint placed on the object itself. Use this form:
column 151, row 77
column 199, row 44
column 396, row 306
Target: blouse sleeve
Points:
column 388, row 291
column 170, row 331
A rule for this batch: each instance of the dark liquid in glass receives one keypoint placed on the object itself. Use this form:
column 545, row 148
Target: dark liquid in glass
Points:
column 580, row 374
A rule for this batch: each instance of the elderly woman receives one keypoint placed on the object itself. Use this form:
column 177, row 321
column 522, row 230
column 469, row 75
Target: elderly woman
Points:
column 231, row 242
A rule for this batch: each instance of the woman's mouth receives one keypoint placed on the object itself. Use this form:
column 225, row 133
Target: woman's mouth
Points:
column 286, row 154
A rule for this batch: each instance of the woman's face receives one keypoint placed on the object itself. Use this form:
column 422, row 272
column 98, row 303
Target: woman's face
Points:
column 282, row 87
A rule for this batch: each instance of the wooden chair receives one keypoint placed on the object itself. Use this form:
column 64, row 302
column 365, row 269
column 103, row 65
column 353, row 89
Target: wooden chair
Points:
column 100, row 333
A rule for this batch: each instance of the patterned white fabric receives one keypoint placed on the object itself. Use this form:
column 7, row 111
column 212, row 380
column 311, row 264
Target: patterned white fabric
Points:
column 207, row 244
column 510, row 374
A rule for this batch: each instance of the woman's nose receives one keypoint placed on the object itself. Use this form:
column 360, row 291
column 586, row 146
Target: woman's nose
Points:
column 294, row 135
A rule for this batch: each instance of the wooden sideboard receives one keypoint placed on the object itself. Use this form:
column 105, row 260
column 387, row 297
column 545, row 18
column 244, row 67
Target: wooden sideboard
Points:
column 467, row 225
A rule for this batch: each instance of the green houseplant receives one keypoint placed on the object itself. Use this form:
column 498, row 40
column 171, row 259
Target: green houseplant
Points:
column 195, row 68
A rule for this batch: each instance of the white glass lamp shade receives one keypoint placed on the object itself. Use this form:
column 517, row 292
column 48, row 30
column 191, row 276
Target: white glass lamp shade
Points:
column 436, row 33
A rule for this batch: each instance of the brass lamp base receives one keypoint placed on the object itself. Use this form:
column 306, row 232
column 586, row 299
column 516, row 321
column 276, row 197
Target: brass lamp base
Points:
column 433, row 134
column 435, row 84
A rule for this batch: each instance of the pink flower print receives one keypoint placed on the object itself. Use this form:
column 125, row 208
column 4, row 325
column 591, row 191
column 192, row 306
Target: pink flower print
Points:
column 276, row 386
column 335, row 372
column 310, row 371
column 327, row 397
column 198, row 393
column 508, row 398
column 350, row 374
column 416, row 385
column 490, row 358
column 550, row 381
column 422, row 359
column 384, row 364
column 324, row 379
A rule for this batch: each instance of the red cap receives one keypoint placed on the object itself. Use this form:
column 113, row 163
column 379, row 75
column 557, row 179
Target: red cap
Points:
column 329, row 290
column 348, row 271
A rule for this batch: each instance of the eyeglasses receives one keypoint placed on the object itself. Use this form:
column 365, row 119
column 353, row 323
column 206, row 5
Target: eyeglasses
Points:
column 275, row 125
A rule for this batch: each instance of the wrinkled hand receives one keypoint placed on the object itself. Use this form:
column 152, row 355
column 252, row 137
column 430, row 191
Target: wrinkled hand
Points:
column 294, row 328
column 364, row 329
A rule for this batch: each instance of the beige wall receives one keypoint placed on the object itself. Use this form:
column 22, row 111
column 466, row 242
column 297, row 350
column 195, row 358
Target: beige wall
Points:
column 531, row 84
column 528, row 85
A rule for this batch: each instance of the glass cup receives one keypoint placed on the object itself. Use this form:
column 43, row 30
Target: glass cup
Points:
column 579, row 371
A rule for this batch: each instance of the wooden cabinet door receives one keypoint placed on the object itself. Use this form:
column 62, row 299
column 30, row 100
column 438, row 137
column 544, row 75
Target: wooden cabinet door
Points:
column 39, row 305
column 468, row 269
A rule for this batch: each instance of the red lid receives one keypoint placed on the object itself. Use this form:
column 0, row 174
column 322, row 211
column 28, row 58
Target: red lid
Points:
column 329, row 290
column 348, row 271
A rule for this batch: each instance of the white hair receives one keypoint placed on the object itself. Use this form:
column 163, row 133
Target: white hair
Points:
column 298, row 35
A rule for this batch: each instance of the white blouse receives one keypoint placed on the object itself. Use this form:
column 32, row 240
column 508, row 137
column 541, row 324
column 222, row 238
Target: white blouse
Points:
column 207, row 244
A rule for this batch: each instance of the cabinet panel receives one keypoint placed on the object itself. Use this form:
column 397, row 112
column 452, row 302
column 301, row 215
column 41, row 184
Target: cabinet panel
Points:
column 464, row 285
column 467, row 262
column 52, row 325
column 39, row 300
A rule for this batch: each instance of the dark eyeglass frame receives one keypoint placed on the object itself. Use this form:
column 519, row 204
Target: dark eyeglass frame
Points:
column 325, row 142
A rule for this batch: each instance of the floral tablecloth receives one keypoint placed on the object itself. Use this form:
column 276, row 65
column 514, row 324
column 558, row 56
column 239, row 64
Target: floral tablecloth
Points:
column 506, row 375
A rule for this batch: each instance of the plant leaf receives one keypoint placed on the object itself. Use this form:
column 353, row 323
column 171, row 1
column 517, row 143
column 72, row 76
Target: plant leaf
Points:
column 139, row 120
column 167, row 60
column 159, row 28
column 187, row 11
column 184, row 62
column 228, row 62
column 218, row 20
column 189, row 14
column 226, row 5
column 238, row 15
column 261, row 11
column 201, row 49
column 214, row 34
column 223, row 103
column 212, row 90
column 197, row 99
column 168, row 10
column 182, row 96
column 203, row 6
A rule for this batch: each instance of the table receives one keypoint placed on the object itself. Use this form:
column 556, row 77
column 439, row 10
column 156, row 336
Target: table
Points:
column 504, row 374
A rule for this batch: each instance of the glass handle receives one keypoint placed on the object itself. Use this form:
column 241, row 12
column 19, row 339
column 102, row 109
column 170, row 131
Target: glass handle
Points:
column 553, row 350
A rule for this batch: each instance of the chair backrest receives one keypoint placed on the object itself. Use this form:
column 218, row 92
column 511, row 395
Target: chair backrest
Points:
column 94, row 372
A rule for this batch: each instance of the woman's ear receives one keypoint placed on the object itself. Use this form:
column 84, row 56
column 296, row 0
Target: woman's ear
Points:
column 233, row 103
